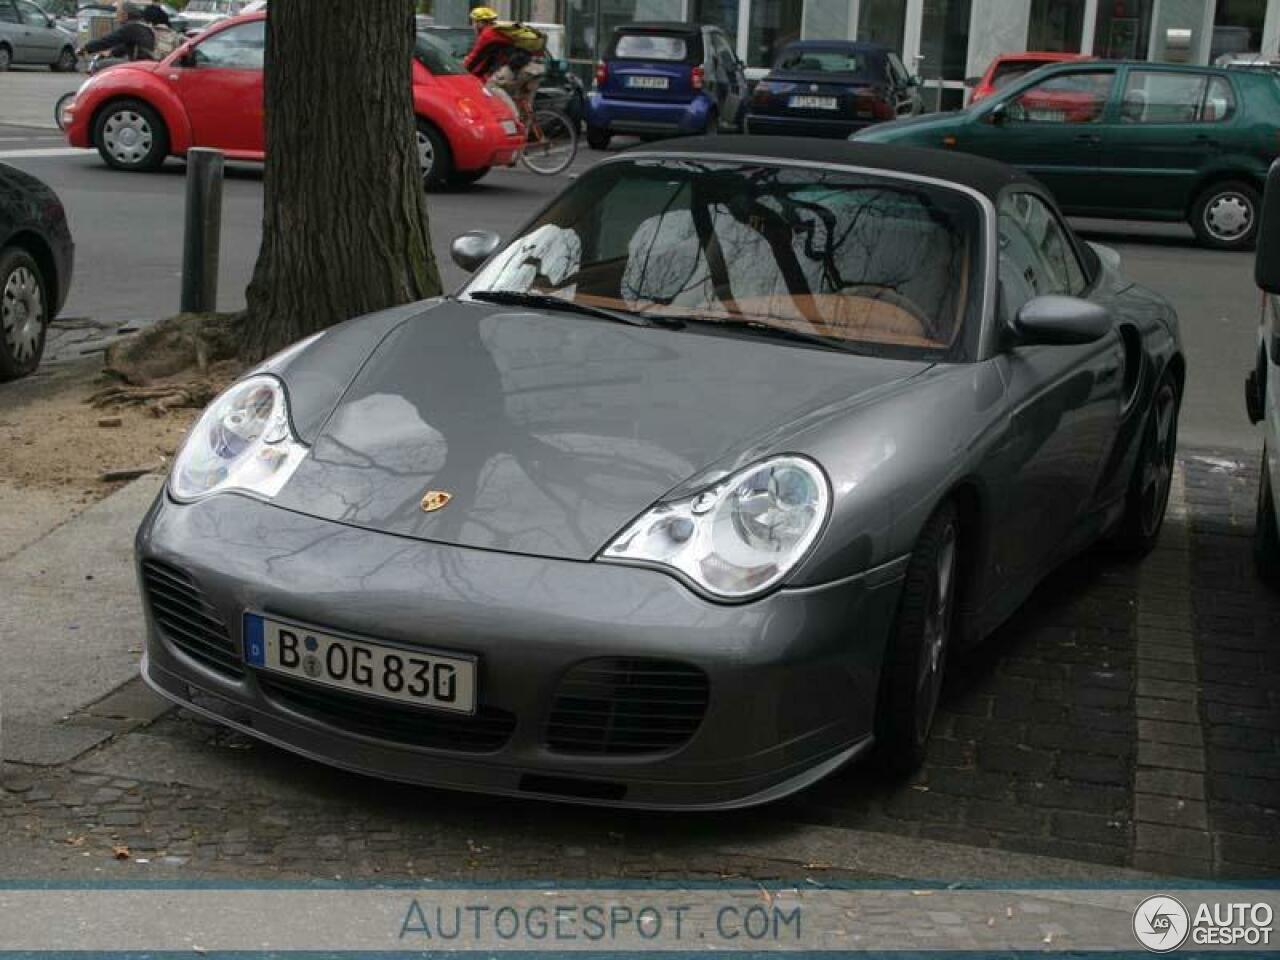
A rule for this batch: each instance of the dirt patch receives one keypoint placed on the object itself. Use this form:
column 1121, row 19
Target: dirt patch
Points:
column 50, row 438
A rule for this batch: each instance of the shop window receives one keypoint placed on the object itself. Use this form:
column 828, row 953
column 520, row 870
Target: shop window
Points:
column 1056, row 25
column 883, row 22
column 1124, row 29
column 774, row 24
column 1237, row 27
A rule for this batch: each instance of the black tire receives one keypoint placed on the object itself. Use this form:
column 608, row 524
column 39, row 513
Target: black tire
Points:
column 66, row 62
column 142, row 150
column 1148, row 495
column 1225, row 215
column 598, row 138
column 435, row 161
column 1266, row 541
column 25, row 309
column 713, row 124
column 464, row 178
column 915, row 659
column 555, row 145
column 6, row 57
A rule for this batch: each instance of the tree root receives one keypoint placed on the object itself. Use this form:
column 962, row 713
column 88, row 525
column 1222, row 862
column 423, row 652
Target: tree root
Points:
column 182, row 361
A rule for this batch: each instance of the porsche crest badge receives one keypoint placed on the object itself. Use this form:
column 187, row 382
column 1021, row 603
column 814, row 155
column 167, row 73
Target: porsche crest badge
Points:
column 434, row 500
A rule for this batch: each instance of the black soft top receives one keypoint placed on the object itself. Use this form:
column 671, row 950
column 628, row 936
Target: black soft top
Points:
column 657, row 26
column 988, row 177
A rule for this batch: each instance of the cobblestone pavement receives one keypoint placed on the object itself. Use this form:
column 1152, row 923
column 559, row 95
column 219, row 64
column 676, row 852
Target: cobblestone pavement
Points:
column 1128, row 716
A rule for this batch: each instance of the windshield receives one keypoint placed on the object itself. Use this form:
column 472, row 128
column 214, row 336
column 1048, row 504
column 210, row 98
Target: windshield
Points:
column 458, row 40
column 845, row 62
column 866, row 263
column 435, row 54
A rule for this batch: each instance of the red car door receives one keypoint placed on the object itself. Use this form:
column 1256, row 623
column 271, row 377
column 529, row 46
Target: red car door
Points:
column 220, row 84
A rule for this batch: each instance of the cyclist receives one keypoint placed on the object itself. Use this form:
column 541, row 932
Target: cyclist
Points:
column 131, row 40
column 496, row 58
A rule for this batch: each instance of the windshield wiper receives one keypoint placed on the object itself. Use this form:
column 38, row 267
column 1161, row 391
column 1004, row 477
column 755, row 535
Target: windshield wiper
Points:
column 771, row 330
column 547, row 301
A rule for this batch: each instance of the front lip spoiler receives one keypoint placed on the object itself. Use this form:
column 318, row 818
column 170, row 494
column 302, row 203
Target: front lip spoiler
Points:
column 777, row 791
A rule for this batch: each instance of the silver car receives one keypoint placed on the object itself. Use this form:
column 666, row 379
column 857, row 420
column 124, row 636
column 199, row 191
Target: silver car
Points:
column 686, row 499
column 28, row 35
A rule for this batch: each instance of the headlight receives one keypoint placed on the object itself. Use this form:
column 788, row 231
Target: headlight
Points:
column 739, row 537
column 243, row 441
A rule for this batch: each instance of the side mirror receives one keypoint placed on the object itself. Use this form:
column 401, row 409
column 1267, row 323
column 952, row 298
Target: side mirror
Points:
column 998, row 115
column 473, row 248
column 1266, row 261
column 1060, row 321
column 186, row 56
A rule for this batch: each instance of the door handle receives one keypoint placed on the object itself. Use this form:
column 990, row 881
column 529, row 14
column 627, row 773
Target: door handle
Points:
column 1088, row 138
column 1206, row 140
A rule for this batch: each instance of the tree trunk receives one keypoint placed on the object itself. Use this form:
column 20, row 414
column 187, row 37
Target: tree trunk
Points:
column 344, row 226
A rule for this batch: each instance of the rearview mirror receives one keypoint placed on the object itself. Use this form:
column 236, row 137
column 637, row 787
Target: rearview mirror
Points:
column 473, row 248
column 1060, row 321
column 1266, row 261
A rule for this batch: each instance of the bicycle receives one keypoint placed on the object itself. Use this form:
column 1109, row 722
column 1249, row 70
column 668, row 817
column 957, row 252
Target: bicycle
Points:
column 552, row 139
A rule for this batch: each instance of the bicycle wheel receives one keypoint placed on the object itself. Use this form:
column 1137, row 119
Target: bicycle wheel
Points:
column 63, row 100
column 553, row 143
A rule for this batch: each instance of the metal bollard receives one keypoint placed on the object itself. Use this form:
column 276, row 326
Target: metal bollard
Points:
column 203, row 234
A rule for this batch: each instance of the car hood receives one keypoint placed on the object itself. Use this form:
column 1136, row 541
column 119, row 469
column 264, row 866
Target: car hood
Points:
column 551, row 432
column 916, row 130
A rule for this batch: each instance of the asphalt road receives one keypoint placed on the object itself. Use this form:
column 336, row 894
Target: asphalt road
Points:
column 128, row 231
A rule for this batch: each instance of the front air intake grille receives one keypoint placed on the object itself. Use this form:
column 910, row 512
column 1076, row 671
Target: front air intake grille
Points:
column 187, row 619
column 620, row 705
column 482, row 732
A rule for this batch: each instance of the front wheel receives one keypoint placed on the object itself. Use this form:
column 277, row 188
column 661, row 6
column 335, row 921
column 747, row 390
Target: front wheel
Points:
column 6, row 58
column 915, row 660
column 24, row 313
column 66, row 62
column 435, row 163
column 598, row 138
column 130, row 135
column 553, row 143
column 1225, row 216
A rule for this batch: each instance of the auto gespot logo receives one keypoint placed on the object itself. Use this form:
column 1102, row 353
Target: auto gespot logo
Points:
column 1162, row 924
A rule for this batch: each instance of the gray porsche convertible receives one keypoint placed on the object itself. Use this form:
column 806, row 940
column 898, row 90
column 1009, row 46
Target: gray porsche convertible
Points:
column 686, row 499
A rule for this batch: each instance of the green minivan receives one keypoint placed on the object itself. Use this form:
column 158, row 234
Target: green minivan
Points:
column 1132, row 141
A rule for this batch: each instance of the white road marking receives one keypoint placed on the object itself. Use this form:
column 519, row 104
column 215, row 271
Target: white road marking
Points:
column 44, row 152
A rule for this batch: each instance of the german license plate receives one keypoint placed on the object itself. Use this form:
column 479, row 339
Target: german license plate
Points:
column 812, row 103
column 424, row 678
column 647, row 83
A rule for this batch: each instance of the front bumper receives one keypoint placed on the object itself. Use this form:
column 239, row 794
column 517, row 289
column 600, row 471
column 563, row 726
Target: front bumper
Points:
column 648, row 117
column 791, row 678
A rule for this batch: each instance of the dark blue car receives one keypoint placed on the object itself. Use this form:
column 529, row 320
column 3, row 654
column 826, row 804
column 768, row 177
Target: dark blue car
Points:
column 666, row 79
column 830, row 88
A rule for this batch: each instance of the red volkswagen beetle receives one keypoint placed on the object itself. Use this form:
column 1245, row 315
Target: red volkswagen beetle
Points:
column 208, row 93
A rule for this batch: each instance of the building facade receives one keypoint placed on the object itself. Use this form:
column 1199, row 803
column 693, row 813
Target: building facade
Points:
column 944, row 41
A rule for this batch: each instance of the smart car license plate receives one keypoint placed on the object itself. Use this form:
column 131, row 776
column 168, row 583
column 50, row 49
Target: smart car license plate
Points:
column 423, row 678
column 812, row 103
column 647, row 83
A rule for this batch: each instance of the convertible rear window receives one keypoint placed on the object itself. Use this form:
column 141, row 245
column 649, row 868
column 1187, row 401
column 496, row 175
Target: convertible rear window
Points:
column 868, row 263
column 652, row 46
column 847, row 63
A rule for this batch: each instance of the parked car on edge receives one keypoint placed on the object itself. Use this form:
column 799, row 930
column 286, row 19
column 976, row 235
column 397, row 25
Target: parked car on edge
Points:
column 28, row 35
column 1262, row 387
column 1134, row 141
column 1009, row 67
column 209, row 94
column 666, row 79
column 36, row 259
column 686, row 499
column 830, row 88
column 199, row 15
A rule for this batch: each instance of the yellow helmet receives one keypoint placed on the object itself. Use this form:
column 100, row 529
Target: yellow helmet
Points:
column 483, row 15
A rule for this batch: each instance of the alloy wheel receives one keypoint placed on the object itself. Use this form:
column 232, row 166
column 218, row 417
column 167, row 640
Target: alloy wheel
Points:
column 426, row 155
column 937, row 631
column 6, row 58
column 22, row 313
column 128, row 137
column 1158, row 453
column 1228, row 216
